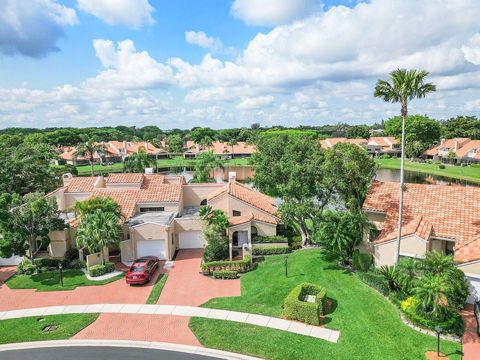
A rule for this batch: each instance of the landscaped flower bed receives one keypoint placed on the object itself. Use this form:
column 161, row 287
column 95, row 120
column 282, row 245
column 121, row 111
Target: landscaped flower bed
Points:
column 305, row 303
column 239, row 266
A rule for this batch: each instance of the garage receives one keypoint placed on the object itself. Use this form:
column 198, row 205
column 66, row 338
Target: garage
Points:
column 474, row 289
column 151, row 248
column 190, row 240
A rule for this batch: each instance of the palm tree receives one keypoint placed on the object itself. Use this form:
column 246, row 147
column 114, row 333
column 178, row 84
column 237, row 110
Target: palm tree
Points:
column 404, row 86
column 98, row 230
column 232, row 143
column 205, row 164
column 138, row 162
column 89, row 206
column 390, row 275
column 432, row 295
column 408, row 272
column 88, row 149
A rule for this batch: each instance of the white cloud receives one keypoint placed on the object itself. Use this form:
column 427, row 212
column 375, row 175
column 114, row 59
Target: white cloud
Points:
column 33, row 27
column 201, row 39
column 131, row 13
column 273, row 12
column 127, row 68
column 255, row 102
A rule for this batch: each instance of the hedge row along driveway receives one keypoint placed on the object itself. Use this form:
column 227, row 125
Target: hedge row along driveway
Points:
column 370, row 325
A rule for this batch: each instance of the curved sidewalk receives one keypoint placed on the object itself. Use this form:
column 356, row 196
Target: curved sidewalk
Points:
column 130, row 344
column 190, row 311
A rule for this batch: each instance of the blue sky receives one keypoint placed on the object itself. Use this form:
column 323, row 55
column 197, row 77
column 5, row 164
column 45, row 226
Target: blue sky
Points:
column 222, row 63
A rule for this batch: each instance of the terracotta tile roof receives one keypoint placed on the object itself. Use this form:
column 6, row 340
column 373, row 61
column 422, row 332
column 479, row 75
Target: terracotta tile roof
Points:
column 81, row 184
column 237, row 220
column 448, row 212
column 248, row 195
column 469, row 146
column 220, row 148
column 265, row 218
column 124, row 178
column 462, row 145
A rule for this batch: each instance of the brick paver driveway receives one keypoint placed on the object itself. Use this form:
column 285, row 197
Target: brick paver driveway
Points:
column 186, row 286
column 117, row 292
column 140, row 327
column 470, row 339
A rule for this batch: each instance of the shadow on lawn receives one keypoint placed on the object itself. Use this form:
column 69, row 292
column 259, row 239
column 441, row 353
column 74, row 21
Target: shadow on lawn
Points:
column 330, row 307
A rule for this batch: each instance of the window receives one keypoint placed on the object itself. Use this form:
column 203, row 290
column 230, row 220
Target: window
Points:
column 152, row 209
column 373, row 234
column 203, row 202
column 237, row 213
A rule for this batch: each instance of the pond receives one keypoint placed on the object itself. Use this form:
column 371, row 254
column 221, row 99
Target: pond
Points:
column 245, row 173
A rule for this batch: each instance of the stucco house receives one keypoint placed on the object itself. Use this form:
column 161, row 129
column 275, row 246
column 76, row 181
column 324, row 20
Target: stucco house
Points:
column 436, row 217
column 239, row 150
column 375, row 145
column 160, row 213
column 462, row 150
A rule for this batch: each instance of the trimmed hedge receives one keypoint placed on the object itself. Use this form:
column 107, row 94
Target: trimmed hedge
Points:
column 269, row 239
column 374, row 280
column 239, row 266
column 295, row 308
column 25, row 267
column 225, row 274
column 362, row 261
column 98, row 270
column 270, row 250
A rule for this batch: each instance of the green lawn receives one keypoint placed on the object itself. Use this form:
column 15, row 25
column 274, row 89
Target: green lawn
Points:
column 177, row 161
column 468, row 173
column 50, row 281
column 30, row 329
column 157, row 289
column 369, row 324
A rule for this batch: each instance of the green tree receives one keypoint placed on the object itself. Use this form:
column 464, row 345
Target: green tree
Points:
column 175, row 143
column 232, row 143
column 431, row 293
column 88, row 149
column 97, row 230
column 408, row 272
column 90, row 205
column 199, row 134
column 215, row 225
column 25, row 223
column 358, row 132
column 461, row 126
column 414, row 149
column 204, row 165
column 138, row 162
column 404, row 86
column 341, row 232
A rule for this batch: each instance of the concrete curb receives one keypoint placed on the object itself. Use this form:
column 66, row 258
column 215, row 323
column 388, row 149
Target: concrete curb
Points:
column 131, row 344
column 189, row 311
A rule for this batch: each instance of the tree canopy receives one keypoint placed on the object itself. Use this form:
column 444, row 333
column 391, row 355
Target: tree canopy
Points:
column 418, row 128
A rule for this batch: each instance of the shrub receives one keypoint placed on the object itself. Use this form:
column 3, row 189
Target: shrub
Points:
column 239, row 266
column 98, row 270
column 269, row 239
column 225, row 274
column 362, row 261
column 295, row 308
column 270, row 250
column 25, row 267
column 73, row 264
column 295, row 242
column 374, row 280
column 47, row 263
column 71, row 254
column 441, row 166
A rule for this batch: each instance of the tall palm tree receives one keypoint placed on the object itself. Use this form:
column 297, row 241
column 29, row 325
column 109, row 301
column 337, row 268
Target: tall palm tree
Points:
column 404, row 86
column 138, row 162
column 232, row 143
column 88, row 149
column 98, row 230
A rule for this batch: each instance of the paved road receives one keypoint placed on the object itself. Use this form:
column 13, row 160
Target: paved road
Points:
column 98, row 352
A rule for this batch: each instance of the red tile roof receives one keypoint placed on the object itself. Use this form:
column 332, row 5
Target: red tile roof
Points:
column 448, row 212
column 81, row 184
column 237, row 220
column 125, row 178
column 248, row 195
column 220, row 148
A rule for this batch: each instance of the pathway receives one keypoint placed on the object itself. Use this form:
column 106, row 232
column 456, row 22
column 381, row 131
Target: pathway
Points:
column 470, row 338
column 187, row 286
column 184, row 311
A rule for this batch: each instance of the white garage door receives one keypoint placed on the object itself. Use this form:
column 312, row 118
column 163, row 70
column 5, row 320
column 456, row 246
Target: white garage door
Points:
column 190, row 240
column 151, row 248
column 11, row 261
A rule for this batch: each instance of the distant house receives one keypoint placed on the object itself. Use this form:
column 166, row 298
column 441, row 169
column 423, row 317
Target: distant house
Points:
column 239, row 150
column 161, row 213
column 436, row 217
column 462, row 150
column 112, row 151
column 375, row 145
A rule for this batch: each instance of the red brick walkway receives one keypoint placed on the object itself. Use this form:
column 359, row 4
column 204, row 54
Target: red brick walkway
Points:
column 140, row 327
column 470, row 339
column 186, row 286
column 117, row 292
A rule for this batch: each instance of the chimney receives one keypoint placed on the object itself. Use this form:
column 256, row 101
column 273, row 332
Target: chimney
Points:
column 456, row 145
column 67, row 179
column 232, row 176
column 145, row 144
column 442, row 142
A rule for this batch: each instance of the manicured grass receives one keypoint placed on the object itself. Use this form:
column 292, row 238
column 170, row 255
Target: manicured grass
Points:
column 177, row 161
column 157, row 289
column 369, row 324
column 468, row 173
column 30, row 329
column 50, row 281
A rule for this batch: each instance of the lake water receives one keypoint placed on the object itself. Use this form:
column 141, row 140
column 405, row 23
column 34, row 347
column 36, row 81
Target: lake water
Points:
column 245, row 173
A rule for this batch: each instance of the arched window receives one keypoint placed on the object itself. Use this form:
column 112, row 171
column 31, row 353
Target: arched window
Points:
column 203, row 202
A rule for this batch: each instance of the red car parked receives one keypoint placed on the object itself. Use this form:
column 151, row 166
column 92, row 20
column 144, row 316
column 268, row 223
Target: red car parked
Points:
column 142, row 270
